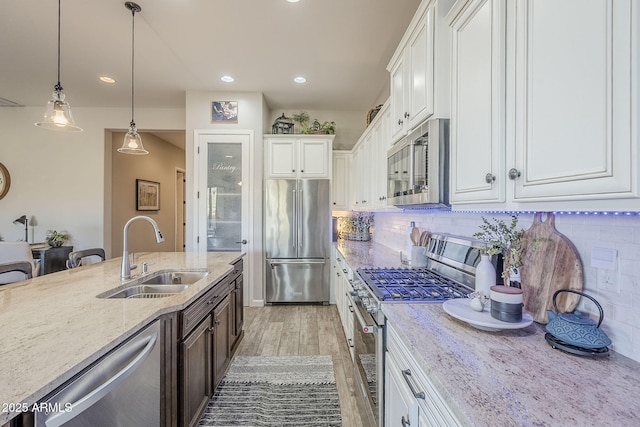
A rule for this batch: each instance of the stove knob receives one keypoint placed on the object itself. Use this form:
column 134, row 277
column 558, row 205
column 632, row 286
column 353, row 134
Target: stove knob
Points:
column 363, row 294
column 373, row 309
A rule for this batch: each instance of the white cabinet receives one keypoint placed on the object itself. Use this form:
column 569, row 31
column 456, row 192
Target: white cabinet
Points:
column 576, row 99
column 410, row 397
column 411, row 73
column 298, row 156
column 369, row 164
column 340, row 180
column 478, row 103
column 545, row 106
column 342, row 277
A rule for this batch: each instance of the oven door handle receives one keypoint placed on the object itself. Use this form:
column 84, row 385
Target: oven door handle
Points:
column 367, row 329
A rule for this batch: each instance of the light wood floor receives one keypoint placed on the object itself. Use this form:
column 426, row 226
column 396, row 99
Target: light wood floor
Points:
column 296, row 330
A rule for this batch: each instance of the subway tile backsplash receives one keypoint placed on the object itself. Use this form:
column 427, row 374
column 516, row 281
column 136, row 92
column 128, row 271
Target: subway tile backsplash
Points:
column 618, row 291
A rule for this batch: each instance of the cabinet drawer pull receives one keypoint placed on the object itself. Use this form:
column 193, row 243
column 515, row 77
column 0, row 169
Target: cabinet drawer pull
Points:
column 418, row 395
column 350, row 341
column 405, row 422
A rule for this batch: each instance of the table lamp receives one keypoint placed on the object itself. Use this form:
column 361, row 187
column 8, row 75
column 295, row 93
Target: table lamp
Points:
column 23, row 221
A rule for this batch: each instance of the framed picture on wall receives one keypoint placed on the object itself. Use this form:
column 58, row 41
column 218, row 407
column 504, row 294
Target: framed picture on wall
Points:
column 147, row 195
column 224, row 112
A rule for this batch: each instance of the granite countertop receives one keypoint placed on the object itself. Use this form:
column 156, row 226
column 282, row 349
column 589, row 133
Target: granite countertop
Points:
column 368, row 254
column 53, row 326
column 510, row 377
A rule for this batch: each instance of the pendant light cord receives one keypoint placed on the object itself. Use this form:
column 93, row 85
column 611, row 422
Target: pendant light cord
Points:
column 133, row 46
column 58, row 85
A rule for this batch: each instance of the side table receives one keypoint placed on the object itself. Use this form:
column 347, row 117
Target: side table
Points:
column 51, row 259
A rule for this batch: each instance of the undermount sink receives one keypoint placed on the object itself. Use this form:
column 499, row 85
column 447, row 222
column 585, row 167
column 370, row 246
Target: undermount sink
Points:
column 147, row 291
column 160, row 284
column 173, row 277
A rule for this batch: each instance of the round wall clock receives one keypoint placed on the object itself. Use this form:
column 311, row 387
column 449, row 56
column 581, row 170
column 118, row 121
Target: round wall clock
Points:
column 5, row 181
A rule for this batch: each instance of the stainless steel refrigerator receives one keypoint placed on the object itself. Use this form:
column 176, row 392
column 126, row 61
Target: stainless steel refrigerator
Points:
column 296, row 230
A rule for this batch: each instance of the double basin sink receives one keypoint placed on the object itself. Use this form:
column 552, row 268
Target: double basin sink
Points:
column 159, row 284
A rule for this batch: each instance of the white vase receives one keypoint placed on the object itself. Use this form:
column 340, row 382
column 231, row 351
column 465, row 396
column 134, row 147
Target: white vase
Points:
column 485, row 275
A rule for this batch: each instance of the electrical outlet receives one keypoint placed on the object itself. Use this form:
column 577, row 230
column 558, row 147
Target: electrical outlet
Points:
column 608, row 280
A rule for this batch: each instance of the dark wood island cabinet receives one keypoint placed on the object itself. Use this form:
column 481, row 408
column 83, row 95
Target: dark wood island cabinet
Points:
column 208, row 335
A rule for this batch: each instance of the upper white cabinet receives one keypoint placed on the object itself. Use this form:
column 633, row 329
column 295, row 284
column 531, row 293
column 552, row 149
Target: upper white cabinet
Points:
column 544, row 105
column 411, row 72
column 298, row 156
column 477, row 132
column 340, row 181
column 576, row 110
column 369, row 164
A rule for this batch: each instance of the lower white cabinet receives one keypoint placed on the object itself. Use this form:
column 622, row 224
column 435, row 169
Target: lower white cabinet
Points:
column 342, row 286
column 410, row 397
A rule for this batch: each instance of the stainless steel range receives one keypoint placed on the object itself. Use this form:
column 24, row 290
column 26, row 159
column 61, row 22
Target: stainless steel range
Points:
column 449, row 273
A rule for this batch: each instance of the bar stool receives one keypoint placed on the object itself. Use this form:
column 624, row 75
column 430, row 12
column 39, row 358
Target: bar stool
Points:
column 16, row 267
column 75, row 257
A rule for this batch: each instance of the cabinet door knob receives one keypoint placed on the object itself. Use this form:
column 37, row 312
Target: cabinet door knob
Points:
column 406, row 115
column 489, row 178
column 400, row 121
column 514, row 174
column 405, row 422
column 293, row 170
column 211, row 329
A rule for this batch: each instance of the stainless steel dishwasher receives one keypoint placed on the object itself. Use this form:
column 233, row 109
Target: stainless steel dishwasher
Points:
column 121, row 389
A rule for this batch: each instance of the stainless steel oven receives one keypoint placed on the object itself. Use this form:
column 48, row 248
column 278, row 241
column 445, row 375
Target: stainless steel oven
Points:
column 368, row 341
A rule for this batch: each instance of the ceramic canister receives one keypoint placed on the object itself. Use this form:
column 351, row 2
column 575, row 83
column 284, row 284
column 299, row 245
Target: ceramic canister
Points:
column 506, row 303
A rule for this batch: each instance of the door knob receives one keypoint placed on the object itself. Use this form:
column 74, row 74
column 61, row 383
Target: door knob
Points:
column 243, row 241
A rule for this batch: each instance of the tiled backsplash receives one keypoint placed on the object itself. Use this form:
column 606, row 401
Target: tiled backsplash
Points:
column 618, row 291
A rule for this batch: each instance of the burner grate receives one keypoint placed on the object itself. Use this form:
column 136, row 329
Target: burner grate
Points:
column 403, row 284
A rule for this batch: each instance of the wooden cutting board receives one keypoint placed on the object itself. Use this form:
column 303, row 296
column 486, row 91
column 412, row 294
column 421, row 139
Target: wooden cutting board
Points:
column 550, row 262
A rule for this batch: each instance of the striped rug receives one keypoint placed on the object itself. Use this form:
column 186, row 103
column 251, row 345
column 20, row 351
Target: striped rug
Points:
column 276, row 391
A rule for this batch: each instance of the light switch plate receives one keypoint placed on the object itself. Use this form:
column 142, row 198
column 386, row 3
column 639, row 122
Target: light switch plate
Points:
column 604, row 258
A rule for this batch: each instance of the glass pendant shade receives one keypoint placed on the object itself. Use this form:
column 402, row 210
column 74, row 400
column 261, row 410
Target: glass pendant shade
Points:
column 132, row 143
column 58, row 114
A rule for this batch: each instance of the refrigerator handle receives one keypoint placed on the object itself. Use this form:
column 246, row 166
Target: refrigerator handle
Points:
column 300, row 217
column 295, row 219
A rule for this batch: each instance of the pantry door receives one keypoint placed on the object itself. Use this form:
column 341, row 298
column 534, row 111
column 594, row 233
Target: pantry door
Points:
column 223, row 192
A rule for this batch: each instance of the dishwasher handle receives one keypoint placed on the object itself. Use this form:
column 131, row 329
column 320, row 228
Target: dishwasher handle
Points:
column 99, row 392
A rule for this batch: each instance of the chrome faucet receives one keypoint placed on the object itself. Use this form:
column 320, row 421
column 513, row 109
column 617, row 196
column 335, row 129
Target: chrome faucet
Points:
column 125, row 270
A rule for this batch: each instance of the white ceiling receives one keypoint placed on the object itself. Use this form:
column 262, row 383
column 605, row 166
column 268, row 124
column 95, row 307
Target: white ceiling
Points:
column 341, row 46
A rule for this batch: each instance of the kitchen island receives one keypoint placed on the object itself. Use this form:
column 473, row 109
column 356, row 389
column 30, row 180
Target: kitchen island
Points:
column 503, row 378
column 54, row 326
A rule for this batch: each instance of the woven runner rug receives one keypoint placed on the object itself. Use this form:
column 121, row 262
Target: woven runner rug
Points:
column 276, row 391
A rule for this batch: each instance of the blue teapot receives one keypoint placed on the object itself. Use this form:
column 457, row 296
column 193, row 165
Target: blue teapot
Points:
column 574, row 329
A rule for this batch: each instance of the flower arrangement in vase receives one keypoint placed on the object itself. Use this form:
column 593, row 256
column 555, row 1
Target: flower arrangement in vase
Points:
column 55, row 239
column 356, row 226
column 506, row 240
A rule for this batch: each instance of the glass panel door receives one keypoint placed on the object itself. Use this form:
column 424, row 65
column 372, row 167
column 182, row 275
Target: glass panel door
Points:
column 224, row 196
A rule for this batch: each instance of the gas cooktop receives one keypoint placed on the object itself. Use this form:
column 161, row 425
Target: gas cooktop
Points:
column 411, row 284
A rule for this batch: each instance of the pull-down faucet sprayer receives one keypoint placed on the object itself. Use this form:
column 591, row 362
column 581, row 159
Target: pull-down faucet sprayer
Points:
column 125, row 270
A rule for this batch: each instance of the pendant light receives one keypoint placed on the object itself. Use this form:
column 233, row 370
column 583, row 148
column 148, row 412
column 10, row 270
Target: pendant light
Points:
column 58, row 113
column 132, row 143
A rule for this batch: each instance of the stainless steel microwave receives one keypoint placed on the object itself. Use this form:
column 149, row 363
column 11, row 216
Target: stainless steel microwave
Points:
column 418, row 167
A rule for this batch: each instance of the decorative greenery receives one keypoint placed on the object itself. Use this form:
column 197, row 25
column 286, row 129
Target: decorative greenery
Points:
column 500, row 238
column 56, row 239
column 302, row 119
column 356, row 224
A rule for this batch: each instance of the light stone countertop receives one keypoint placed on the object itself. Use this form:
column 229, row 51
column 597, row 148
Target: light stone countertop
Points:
column 53, row 326
column 506, row 378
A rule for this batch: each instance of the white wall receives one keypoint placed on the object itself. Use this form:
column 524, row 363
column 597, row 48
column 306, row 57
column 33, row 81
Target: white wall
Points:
column 617, row 291
column 251, row 115
column 59, row 178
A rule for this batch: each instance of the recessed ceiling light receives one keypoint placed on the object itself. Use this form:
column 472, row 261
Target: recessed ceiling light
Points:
column 293, row 1
column 299, row 79
column 227, row 79
column 107, row 79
